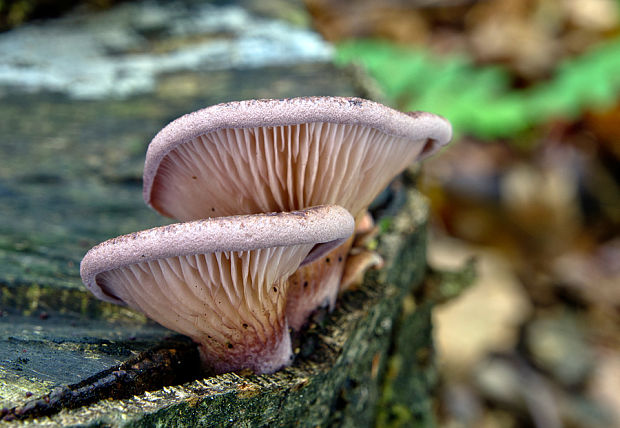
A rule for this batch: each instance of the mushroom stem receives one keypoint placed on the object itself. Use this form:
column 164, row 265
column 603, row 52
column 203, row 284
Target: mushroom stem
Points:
column 358, row 263
column 270, row 360
column 316, row 285
column 265, row 357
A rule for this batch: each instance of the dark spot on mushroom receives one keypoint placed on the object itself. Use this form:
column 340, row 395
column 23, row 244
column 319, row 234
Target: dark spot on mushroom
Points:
column 275, row 289
column 229, row 345
column 339, row 259
column 305, row 284
column 209, row 337
column 212, row 209
column 194, row 177
column 327, row 260
column 355, row 102
column 415, row 114
column 245, row 325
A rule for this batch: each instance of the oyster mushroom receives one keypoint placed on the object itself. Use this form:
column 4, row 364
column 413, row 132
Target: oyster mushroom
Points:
column 281, row 155
column 221, row 281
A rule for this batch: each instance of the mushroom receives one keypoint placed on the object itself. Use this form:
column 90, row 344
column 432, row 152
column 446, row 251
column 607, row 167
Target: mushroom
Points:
column 281, row 155
column 358, row 262
column 222, row 281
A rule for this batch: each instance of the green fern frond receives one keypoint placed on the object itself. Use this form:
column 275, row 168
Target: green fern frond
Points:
column 479, row 100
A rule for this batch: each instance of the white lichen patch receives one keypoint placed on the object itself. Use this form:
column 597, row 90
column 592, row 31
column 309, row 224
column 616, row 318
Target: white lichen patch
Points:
column 122, row 51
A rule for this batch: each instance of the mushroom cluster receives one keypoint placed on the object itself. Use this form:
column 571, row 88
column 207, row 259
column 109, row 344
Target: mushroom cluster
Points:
column 231, row 277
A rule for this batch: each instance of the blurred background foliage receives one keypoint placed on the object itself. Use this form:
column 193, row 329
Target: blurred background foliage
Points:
column 480, row 100
column 530, row 186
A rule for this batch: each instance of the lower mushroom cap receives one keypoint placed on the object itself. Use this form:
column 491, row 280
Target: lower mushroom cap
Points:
column 231, row 303
column 220, row 281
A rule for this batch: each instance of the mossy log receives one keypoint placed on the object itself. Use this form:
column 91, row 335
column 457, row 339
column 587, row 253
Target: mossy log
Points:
column 371, row 359
column 73, row 180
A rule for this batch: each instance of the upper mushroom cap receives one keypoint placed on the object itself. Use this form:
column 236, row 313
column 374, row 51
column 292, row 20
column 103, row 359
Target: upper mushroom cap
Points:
column 280, row 155
column 330, row 225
